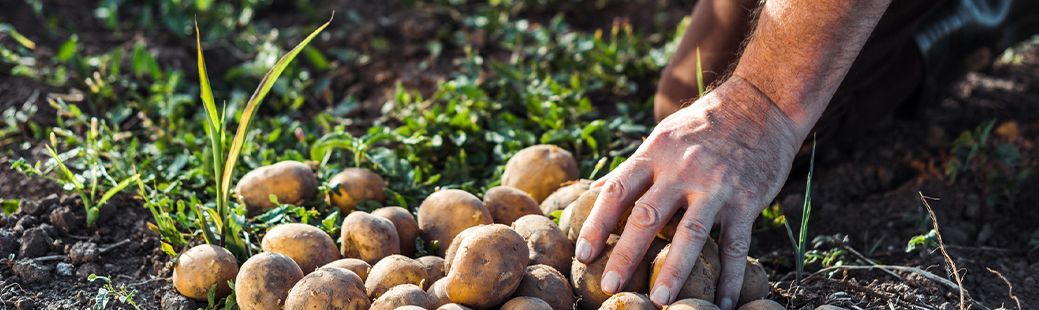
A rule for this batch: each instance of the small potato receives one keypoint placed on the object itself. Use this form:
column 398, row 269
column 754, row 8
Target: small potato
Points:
column 762, row 304
column 328, row 288
column 265, row 280
column 692, row 304
column 402, row 295
column 563, row 196
column 448, row 212
column 202, row 267
column 628, row 301
column 309, row 246
column 453, row 307
column 437, row 294
column 755, row 282
column 354, row 185
column 547, row 284
column 392, row 271
column 368, row 237
column 586, row 278
column 524, row 303
column 359, row 267
column 411, row 308
column 508, row 204
column 292, row 182
column 434, row 267
column 546, row 243
column 406, row 225
column 539, row 170
column 582, row 207
column 565, row 219
column 487, row 267
column 829, row 307
column 703, row 279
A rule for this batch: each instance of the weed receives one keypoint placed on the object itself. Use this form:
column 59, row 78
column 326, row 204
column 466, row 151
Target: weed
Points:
column 108, row 291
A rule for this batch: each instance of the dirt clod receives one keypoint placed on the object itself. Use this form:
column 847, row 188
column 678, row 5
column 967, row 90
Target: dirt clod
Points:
column 65, row 219
column 25, row 304
column 26, row 222
column 83, row 252
column 31, row 271
column 174, row 301
column 34, row 243
column 87, row 269
column 65, row 269
column 8, row 242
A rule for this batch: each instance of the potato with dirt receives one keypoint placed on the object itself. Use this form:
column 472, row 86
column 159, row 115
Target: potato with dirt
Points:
column 328, row 288
column 692, row 304
column 586, row 278
column 309, row 246
column 755, row 282
column 264, row 281
column 507, row 204
column 202, row 267
column 525, row 303
column 354, row 185
column 563, row 196
column 487, row 266
column 434, row 268
column 401, row 295
column 368, row 237
column 762, row 304
column 539, row 170
column 437, row 293
column 359, row 267
column 392, row 271
column 406, row 225
column 548, row 284
column 628, row 301
column 545, row 242
column 702, row 282
column 582, row 207
column 448, row 212
column 292, row 182
column 453, row 306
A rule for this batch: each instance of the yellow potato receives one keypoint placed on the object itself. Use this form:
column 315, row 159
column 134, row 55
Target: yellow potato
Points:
column 354, row 185
column 434, row 267
column 328, row 288
column 547, row 284
column 547, row 244
column 703, row 279
column 628, row 301
column 508, row 204
column 586, row 278
column 448, row 212
column 401, row 295
column 359, row 267
column 437, row 294
column 762, row 304
column 525, row 303
column 582, row 207
column 308, row 246
column 539, row 170
column 202, row 267
column 264, row 281
column 487, row 267
column 392, row 271
column 755, row 282
column 368, row 237
column 292, row 182
column 563, row 196
column 406, row 225
column 692, row 304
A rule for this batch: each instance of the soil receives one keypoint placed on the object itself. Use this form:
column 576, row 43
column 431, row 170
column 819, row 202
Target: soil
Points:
column 867, row 194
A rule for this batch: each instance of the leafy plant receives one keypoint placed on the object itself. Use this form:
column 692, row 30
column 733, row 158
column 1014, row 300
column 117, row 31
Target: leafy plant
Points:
column 801, row 242
column 108, row 291
column 996, row 168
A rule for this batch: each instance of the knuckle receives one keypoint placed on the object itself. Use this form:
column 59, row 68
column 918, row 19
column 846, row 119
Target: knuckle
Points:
column 735, row 249
column 613, row 189
column 622, row 258
column 694, row 228
column 644, row 215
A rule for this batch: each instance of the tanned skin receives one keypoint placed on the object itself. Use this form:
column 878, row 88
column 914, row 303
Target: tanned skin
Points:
column 725, row 157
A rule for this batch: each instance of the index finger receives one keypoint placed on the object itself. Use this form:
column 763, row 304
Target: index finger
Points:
column 620, row 190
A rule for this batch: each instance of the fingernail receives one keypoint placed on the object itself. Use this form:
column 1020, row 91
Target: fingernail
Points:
column 611, row 282
column 661, row 295
column 726, row 303
column 584, row 250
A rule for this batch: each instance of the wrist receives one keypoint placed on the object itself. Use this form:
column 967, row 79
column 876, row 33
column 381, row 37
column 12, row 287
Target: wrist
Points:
column 742, row 99
column 799, row 114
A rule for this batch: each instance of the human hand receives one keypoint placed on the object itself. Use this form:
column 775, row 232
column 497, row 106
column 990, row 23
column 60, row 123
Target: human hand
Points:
column 722, row 159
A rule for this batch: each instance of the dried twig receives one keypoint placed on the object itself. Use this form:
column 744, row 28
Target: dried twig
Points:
column 113, row 246
column 870, row 261
column 941, row 246
column 1010, row 287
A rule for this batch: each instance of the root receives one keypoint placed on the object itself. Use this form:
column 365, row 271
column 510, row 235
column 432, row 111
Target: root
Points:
column 1010, row 287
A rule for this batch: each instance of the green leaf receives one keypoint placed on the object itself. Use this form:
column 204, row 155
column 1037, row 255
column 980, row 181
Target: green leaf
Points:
column 67, row 49
column 168, row 249
column 101, row 300
column 115, row 190
column 10, row 206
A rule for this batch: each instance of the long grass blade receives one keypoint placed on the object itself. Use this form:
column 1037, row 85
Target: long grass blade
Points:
column 206, row 91
column 699, row 74
column 115, row 190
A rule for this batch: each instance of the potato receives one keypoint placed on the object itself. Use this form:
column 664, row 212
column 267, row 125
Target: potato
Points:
column 565, row 219
column 309, row 246
column 328, row 288
column 582, row 207
column 411, row 308
column 354, row 185
column 404, row 222
column 202, row 267
column 368, row 237
column 547, row 284
column 628, row 301
column 265, row 280
column 545, row 242
column 402, row 295
column 437, row 294
column 762, row 304
column 703, row 279
column 453, row 307
column 487, row 267
column 508, row 204
column 563, row 196
column 446, row 213
column 539, row 170
column 392, row 271
column 755, row 282
column 359, row 267
column 585, row 278
column 523, row 303
column 829, row 307
column 434, row 267
column 692, row 304
column 291, row 181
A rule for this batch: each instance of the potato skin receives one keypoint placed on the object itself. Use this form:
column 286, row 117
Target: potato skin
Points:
column 762, row 304
column 359, row 267
column 524, row 303
column 448, row 212
column 201, row 267
column 546, row 243
column 328, row 288
column 703, row 279
column 354, row 185
column 755, row 282
column 292, row 182
column 437, row 294
column 507, row 204
column 539, row 170
column 392, row 271
column 264, row 281
column 586, row 278
column 368, row 237
column 582, row 207
column 487, row 267
column 401, row 295
column 628, row 301
column 309, row 246
column 453, row 306
column 406, row 225
column 563, row 196
column 547, row 284
column 434, row 268
column 692, row 304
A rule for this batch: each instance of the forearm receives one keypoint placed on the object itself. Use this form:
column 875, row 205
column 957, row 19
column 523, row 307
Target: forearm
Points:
column 801, row 50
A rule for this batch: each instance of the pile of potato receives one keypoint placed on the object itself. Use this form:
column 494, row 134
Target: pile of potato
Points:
column 502, row 251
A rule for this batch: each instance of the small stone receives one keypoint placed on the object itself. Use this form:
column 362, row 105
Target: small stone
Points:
column 82, row 252
column 88, row 269
column 174, row 301
column 35, row 243
column 65, row 269
column 65, row 219
column 30, row 271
